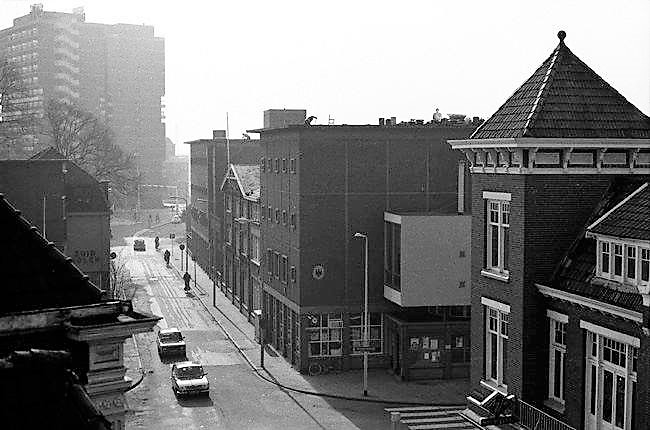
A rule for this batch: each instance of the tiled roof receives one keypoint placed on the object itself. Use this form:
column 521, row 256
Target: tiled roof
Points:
column 631, row 220
column 35, row 274
column 577, row 271
column 565, row 98
column 249, row 178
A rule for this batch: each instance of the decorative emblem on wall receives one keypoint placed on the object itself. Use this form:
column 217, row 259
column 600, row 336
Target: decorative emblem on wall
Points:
column 318, row 272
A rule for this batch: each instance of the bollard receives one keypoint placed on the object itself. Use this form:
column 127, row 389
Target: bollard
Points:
column 394, row 420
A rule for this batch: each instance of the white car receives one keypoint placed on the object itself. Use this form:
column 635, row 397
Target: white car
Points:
column 188, row 378
column 176, row 219
column 170, row 342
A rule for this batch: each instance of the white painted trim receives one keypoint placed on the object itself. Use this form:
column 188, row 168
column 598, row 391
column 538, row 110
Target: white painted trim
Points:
column 625, row 200
column 560, row 143
column 557, row 316
column 392, row 295
column 494, row 195
column 560, row 171
column 503, row 277
column 503, row 307
column 622, row 240
column 621, row 337
column 590, row 303
column 394, row 218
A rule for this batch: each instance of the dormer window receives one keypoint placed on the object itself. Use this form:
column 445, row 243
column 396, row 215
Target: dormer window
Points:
column 623, row 261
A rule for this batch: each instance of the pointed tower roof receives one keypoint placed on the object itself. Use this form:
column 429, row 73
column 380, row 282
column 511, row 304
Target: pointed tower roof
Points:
column 565, row 98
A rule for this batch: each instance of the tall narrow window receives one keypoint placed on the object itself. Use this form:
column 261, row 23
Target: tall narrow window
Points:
column 496, row 344
column 498, row 239
column 630, row 262
column 604, row 257
column 556, row 362
column 618, row 259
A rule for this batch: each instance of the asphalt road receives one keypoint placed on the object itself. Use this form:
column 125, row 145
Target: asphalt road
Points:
column 238, row 398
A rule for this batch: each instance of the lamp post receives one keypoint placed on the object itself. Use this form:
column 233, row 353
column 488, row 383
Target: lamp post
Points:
column 365, row 313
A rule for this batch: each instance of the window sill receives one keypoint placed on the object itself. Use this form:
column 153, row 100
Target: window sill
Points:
column 556, row 405
column 503, row 277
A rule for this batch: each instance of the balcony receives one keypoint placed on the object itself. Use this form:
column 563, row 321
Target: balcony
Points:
column 427, row 259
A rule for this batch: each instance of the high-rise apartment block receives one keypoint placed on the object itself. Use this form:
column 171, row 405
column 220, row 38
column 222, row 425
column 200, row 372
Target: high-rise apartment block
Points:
column 116, row 72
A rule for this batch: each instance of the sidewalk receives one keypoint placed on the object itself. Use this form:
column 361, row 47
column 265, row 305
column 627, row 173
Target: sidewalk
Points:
column 381, row 385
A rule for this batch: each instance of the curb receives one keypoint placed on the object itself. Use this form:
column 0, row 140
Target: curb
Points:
column 274, row 380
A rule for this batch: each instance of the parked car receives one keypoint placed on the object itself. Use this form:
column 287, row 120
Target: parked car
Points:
column 170, row 342
column 176, row 219
column 138, row 245
column 188, row 377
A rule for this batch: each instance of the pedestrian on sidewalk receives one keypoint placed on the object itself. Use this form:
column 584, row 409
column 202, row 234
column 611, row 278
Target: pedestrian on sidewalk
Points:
column 157, row 219
column 166, row 256
column 187, row 278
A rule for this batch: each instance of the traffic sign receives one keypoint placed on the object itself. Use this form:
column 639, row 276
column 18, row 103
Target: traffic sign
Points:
column 181, row 246
column 172, row 236
column 361, row 348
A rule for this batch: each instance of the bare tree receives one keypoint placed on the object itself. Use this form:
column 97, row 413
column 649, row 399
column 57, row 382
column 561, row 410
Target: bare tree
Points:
column 121, row 285
column 81, row 137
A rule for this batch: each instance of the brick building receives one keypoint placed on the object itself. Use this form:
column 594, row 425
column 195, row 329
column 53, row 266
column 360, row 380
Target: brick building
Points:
column 551, row 328
column 241, row 217
column 70, row 207
column 208, row 165
column 319, row 186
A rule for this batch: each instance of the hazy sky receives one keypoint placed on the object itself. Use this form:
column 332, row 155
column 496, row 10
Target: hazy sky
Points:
column 357, row 61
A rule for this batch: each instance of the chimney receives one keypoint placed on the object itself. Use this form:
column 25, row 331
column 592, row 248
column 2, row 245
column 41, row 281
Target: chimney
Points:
column 393, row 120
column 461, row 187
column 218, row 134
column 388, row 122
column 381, row 121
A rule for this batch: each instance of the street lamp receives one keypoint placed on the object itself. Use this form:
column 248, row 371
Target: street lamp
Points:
column 365, row 314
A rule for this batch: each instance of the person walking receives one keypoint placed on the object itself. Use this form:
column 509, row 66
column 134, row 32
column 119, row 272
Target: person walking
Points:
column 166, row 256
column 187, row 278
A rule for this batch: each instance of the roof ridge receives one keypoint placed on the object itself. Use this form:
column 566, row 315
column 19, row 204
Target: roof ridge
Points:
column 543, row 89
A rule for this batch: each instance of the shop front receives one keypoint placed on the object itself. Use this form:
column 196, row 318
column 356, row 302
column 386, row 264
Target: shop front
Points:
column 423, row 347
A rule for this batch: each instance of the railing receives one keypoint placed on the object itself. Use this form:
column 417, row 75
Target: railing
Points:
column 534, row 419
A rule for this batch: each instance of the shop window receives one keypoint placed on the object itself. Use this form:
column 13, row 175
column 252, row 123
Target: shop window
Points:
column 324, row 332
column 375, row 333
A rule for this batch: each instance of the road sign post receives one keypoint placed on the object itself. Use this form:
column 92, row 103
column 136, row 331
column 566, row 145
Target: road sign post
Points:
column 182, row 247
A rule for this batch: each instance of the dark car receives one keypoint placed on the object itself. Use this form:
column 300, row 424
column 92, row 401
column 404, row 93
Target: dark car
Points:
column 189, row 378
column 170, row 342
column 138, row 245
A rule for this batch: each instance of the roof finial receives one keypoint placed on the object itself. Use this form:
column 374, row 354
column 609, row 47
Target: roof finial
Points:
column 561, row 35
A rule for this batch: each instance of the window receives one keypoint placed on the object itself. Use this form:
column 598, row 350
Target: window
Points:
column 284, row 269
column 392, row 248
column 284, row 218
column 630, row 261
column 284, row 165
column 262, row 165
column 229, row 232
column 293, row 274
column 269, row 165
column 498, row 243
column 375, row 333
column 244, row 240
column 292, row 164
column 293, row 221
column 255, row 212
column 277, row 165
column 556, row 362
column 460, row 351
column 623, row 262
column 496, row 344
column 604, row 257
column 270, row 214
column 277, row 216
column 255, row 245
column 228, row 202
column 324, row 332
column 269, row 261
column 618, row 260
column 276, row 265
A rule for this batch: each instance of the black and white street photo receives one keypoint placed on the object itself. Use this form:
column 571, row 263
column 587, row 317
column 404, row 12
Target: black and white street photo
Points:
column 312, row 215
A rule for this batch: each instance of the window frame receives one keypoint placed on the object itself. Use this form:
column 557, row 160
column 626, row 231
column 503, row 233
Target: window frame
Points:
column 556, row 346
column 316, row 334
column 377, row 340
column 634, row 255
column 501, row 331
column 502, row 208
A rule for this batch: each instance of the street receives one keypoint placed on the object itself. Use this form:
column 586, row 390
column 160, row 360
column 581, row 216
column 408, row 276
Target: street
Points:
column 238, row 398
